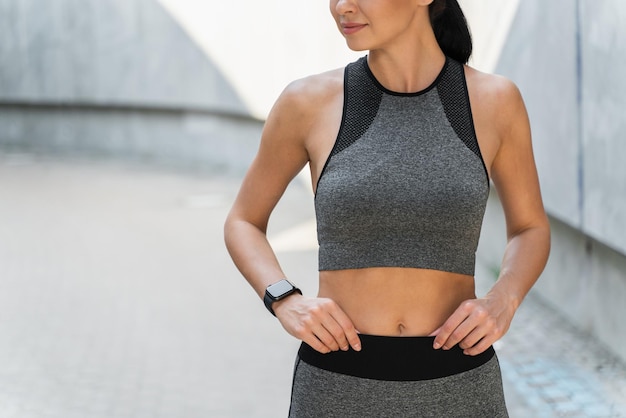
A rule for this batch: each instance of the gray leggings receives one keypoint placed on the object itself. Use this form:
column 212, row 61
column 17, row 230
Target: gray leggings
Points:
column 396, row 377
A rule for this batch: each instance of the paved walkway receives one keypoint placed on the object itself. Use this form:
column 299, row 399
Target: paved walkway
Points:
column 117, row 299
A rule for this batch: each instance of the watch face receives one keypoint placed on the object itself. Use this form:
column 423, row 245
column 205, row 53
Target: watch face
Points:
column 279, row 289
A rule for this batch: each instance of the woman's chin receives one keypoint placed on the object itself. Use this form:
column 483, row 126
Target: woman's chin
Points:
column 356, row 47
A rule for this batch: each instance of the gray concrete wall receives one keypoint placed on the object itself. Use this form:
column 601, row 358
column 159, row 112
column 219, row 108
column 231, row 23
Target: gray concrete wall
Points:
column 568, row 57
column 175, row 138
column 540, row 55
column 114, row 51
column 115, row 77
column 603, row 105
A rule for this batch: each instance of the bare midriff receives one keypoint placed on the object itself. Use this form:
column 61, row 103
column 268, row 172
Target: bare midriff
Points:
column 396, row 301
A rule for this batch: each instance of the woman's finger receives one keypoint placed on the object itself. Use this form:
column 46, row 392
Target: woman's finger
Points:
column 452, row 323
column 348, row 333
column 486, row 342
column 463, row 330
column 472, row 338
column 316, row 344
column 326, row 337
column 337, row 333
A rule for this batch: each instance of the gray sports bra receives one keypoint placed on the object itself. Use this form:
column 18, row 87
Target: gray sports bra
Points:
column 405, row 184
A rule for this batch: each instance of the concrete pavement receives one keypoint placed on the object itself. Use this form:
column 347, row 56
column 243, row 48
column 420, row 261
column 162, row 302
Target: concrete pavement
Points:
column 118, row 299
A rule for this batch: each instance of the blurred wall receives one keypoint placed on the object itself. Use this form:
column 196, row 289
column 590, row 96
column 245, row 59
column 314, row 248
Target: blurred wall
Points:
column 261, row 46
column 568, row 58
column 118, row 78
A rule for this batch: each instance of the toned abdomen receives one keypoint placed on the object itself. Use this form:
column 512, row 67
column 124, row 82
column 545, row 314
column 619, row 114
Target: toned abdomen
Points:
column 396, row 301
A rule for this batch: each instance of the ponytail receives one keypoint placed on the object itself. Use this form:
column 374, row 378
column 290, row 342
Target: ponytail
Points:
column 451, row 30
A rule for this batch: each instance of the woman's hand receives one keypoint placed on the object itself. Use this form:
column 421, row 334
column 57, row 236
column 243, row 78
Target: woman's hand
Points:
column 476, row 324
column 319, row 322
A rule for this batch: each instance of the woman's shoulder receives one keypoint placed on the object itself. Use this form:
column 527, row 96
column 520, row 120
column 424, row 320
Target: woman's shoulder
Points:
column 492, row 91
column 309, row 93
column 491, row 88
column 303, row 106
column 495, row 98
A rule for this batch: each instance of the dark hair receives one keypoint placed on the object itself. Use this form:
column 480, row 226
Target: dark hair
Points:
column 451, row 30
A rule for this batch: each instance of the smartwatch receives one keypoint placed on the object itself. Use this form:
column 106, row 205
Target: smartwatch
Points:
column 278, row 291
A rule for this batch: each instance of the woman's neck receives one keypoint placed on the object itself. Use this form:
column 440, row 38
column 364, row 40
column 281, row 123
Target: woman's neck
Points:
column 407, row 72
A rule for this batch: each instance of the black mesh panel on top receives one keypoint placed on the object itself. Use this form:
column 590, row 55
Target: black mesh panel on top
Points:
column 453, row 94
column 361, row 101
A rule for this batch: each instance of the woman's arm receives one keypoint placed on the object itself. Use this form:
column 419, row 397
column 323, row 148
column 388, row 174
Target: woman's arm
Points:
column 282, row 154
column 280, row 157
column 478, row 323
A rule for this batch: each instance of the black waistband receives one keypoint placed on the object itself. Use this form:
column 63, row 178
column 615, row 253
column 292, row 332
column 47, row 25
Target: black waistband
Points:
column 395, row 358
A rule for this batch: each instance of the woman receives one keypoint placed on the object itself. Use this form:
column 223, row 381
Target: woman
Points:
column 401, row 164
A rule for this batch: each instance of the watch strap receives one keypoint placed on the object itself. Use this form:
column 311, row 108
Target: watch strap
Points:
column 268, row 301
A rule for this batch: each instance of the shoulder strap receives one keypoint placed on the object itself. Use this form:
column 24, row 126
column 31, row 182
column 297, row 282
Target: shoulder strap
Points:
column 361, row 100
column 454, row 96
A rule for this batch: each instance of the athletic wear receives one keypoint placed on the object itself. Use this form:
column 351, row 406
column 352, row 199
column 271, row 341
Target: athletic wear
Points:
column 397, row 377
column 405, row 184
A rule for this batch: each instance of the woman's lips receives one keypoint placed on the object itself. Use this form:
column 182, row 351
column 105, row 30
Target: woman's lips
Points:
column 350, row 28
